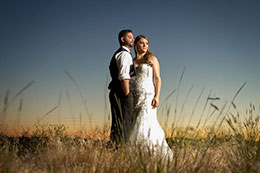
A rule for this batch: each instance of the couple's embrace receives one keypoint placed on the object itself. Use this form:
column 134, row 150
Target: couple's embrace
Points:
column 134, row 94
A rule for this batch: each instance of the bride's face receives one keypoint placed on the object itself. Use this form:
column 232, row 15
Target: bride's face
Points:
column 142, row 46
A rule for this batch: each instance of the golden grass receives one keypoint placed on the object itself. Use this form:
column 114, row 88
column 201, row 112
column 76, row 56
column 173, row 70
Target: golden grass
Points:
column 202, row 148
column 51, row 149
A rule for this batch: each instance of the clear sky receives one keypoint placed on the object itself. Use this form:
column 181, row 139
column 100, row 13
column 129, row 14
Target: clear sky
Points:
column 217, row 40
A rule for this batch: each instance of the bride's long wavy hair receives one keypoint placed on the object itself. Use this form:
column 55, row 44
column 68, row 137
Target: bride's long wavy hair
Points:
column 148, row 54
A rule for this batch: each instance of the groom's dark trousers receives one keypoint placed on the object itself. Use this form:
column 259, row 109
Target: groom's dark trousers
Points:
column 122, row 109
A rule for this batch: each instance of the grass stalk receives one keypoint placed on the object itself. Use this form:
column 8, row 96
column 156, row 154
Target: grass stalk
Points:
column 81, row 96
column 177, row 97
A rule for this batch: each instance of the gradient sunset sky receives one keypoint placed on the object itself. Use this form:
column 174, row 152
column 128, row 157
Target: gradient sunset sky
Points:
column 217, row 40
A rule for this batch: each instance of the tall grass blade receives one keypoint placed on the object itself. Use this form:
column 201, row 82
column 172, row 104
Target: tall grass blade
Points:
column 219, row 115
column 232, row 101
column 208, row 112
column 71, row 111
column 3, row 119
column 50, row 111
column 177, row 98
column 194, row 108
column 166, row 99
column 59, row 102
column 182, row 107
column 81, row 96
column 203, row 110
column 106, row 112
column 7, row 104
column 206, row 120
column 18, row 117
column 182, row 74
column 0, row 99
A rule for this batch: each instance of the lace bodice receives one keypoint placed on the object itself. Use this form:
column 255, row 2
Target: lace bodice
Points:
column 144, row 79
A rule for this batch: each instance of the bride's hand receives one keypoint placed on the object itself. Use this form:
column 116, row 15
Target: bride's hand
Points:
column 155, row 102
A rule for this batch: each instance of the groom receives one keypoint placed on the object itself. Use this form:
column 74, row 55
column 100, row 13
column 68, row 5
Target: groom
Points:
column 122, row 88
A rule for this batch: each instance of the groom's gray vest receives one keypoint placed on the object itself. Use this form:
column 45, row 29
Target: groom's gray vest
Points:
column 115, row 84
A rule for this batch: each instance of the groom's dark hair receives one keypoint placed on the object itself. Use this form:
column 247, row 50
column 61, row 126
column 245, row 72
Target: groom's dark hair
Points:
column 123, row 34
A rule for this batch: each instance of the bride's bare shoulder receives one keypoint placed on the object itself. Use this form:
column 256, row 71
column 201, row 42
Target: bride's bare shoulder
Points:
column 153, row 59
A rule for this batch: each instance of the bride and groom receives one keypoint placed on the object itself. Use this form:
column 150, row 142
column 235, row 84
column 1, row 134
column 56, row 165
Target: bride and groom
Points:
column 134, row 94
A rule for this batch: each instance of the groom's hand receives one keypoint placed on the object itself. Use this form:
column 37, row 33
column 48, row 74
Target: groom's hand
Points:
column 125, row 86
column 155, row 102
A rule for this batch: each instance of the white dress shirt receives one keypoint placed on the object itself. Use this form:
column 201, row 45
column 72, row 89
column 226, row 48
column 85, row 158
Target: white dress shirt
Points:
column 124, row 61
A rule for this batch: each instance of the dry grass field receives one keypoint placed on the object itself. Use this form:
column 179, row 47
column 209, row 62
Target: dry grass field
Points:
column 50, row 149
column 230, row 144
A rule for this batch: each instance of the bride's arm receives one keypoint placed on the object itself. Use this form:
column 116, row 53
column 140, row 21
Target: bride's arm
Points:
column 157, row 81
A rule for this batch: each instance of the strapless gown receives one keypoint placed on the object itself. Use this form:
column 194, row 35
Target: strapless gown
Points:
column 147, row 130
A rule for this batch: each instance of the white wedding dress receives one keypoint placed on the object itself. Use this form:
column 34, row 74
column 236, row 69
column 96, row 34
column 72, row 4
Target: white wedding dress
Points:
column 147, row 131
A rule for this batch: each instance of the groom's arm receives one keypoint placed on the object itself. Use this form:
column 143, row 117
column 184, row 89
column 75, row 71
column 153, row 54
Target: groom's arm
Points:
column 124, row 61
column 125, row 86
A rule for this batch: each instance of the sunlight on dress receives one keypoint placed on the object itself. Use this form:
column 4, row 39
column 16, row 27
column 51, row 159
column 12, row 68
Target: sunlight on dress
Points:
column 147, row 130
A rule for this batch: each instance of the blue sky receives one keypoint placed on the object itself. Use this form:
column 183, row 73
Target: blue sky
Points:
column 217, row 40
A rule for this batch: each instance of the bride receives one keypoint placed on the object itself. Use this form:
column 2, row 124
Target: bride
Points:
column 146, row 129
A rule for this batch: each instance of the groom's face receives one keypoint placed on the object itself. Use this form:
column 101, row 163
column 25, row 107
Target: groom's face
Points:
column 129, row 40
